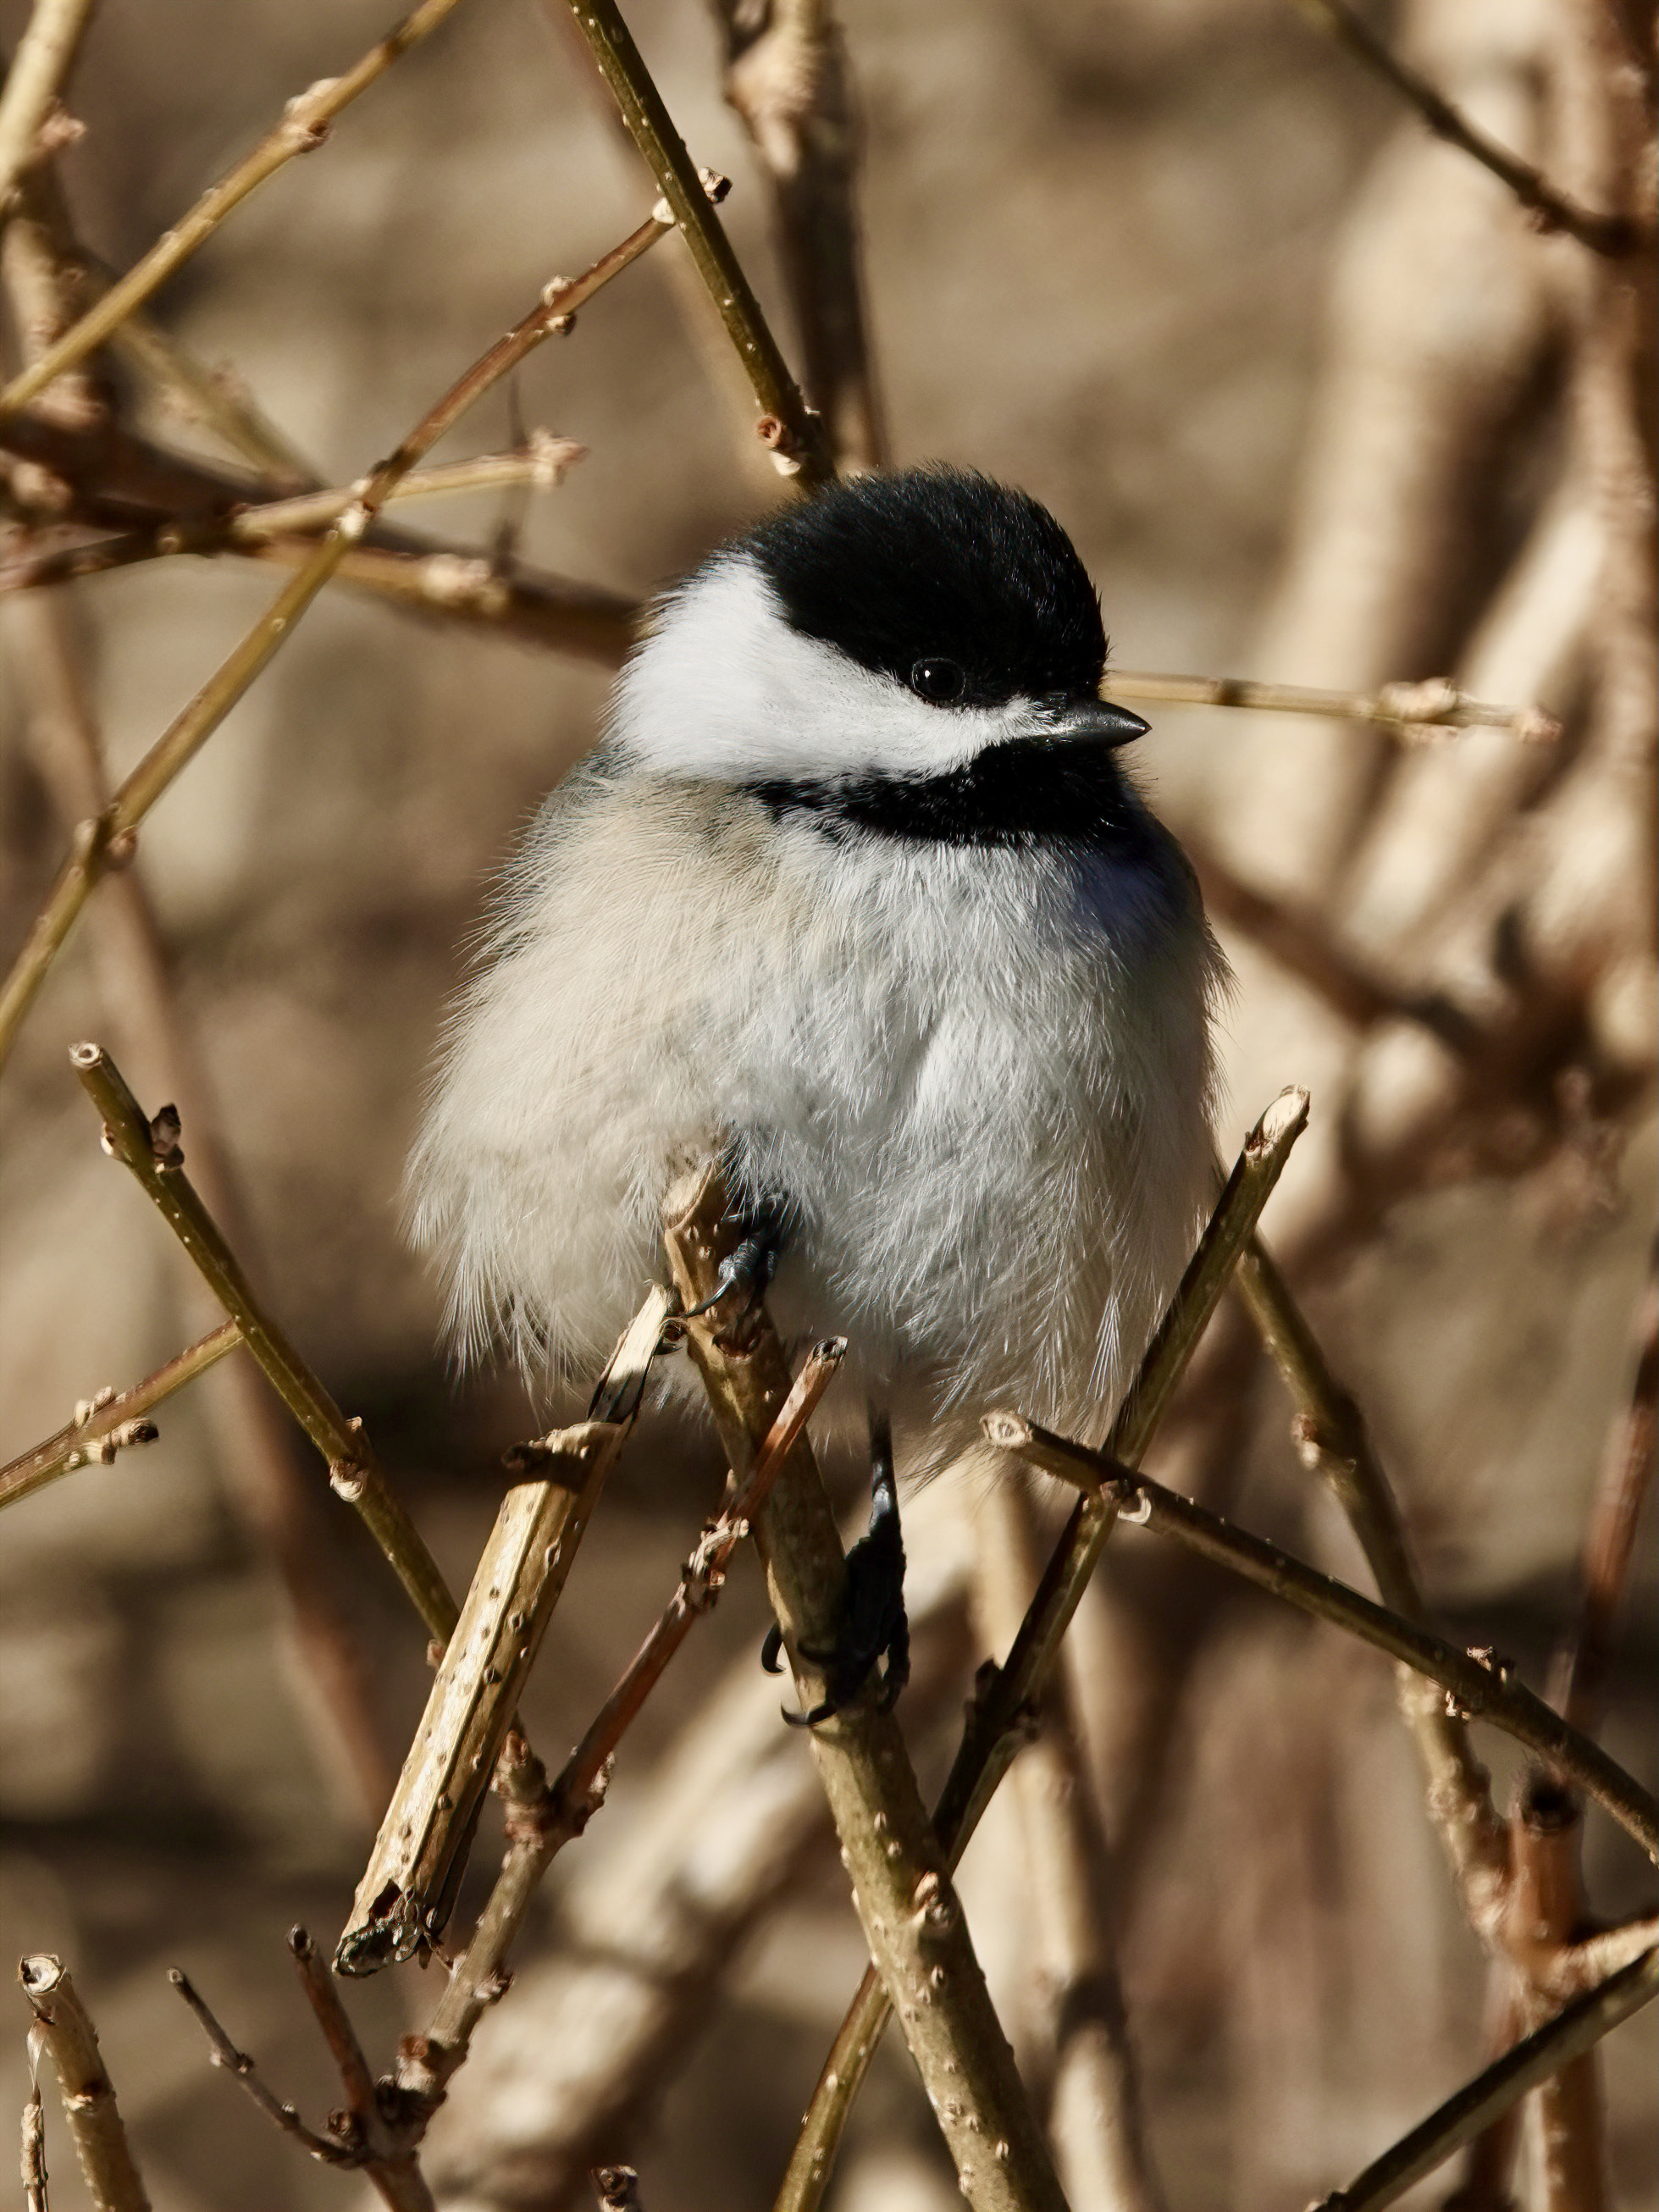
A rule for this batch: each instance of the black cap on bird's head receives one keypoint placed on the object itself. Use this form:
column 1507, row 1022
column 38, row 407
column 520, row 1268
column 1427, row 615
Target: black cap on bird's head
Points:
column 966, row 591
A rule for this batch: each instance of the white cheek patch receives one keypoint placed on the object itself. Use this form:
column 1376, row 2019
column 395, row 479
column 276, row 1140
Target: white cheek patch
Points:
column 724, row 688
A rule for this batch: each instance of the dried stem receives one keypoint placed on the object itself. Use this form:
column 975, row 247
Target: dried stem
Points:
column 996, row 1720
column 1417, row 712
column 327, row 2148
column 46, row 55
column 1550, row 208
column 1478, row 1684
column 786, row 425
column 151, row 1151
column 305, row 125
column 911, row 1918
column 385, row 2154
column 107, row 1423
column 1578, row 2027
column 65, row 2030
column 109, row 838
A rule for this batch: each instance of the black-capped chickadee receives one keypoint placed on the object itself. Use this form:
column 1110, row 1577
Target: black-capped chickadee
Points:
column 855, row 891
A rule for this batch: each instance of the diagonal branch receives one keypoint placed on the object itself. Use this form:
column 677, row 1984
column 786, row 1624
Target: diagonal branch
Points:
column 306, row 123
column 1550, row 208
column 46, row 55
column 795, row 434
column 64, row 2027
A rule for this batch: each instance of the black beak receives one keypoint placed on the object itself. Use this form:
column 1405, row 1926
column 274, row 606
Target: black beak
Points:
column 1099, row 722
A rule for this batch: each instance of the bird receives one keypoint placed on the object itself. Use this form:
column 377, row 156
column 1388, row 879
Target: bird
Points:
column 856, row 894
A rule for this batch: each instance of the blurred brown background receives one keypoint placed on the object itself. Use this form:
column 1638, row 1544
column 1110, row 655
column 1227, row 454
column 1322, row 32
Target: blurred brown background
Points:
column 1307, row 392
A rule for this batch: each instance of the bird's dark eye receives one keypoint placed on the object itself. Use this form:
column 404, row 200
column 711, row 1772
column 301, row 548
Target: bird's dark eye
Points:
column 937, row 680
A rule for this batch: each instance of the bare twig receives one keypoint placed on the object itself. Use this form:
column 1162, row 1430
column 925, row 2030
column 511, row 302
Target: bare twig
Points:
column 1627, row 1471
column 996, row 1719
column 911, row 1920
column 1478, row 1684
column 1550, row 209
column 151, row 1151
column 327, row 2148
column 617, row 2188
column 794, row 435
column 66, row 2031
column 105, row 841
column 382, row 2139
column 45, row 54
column 1577, row 2028
column 542, row 463
column 306, row 122
column 107, row 1423
column 788, row 76
column 32, row 2159
column 1419, row 712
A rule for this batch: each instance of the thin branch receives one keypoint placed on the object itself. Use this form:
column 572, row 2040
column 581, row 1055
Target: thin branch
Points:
column 786, row 425
column 912, row 1919
column 1481, row 1684
column 542, row 464
column 305, row 125
column 151, row 1151
column 327, row 2148
column 1578, row 2027
column 788, row 76
column 107, row 1423
column 387, row 2152
column 65, row 2030
column 109, row 838
column 1626, row 1477
column 1333, row 1441
column 1417, row 712
column 46, row 55
column 1550, row 208
column 996, row 1719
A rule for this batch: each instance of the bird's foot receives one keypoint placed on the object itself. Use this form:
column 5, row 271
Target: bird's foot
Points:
column 743, row 1277
column 874, row 1628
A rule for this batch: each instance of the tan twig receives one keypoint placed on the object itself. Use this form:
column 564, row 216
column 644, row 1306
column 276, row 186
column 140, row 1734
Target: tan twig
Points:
column 151, row 1151
column 65, row 2030
column 542, row 464
column 617, row 2188
column 1577, row 2028
column 1478, row 1684
column 786, row 425
column 996, row 1719
column 912, row 1919
column 107, row 840
column 1333, row 1441
column 32, row 2159
column 1550, row 209
column 1627, row 1471
column 1094, row 2097
column 107, row 1423
column 788, row 76
column 46, row 55
column 306, row 123
column 1418, row 713
column 543, row 1817
column 382, row 2140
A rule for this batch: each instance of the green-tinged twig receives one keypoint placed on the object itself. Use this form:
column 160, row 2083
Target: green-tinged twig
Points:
column 109, row 1423
column 1478, row 1685
column 150, row 1150
column 1550, row 208
column 305, row 125
column 1415, row 711
column 912, row 1919
column 109, row 838
column 995, row 1720
column 1578, row 2027
column 45, row 54
column 787, row 426
column 64, row 2027
column 542, row 1816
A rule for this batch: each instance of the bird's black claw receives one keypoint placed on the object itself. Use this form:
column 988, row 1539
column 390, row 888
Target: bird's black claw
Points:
column 874, row 1630
column 772, row 1650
